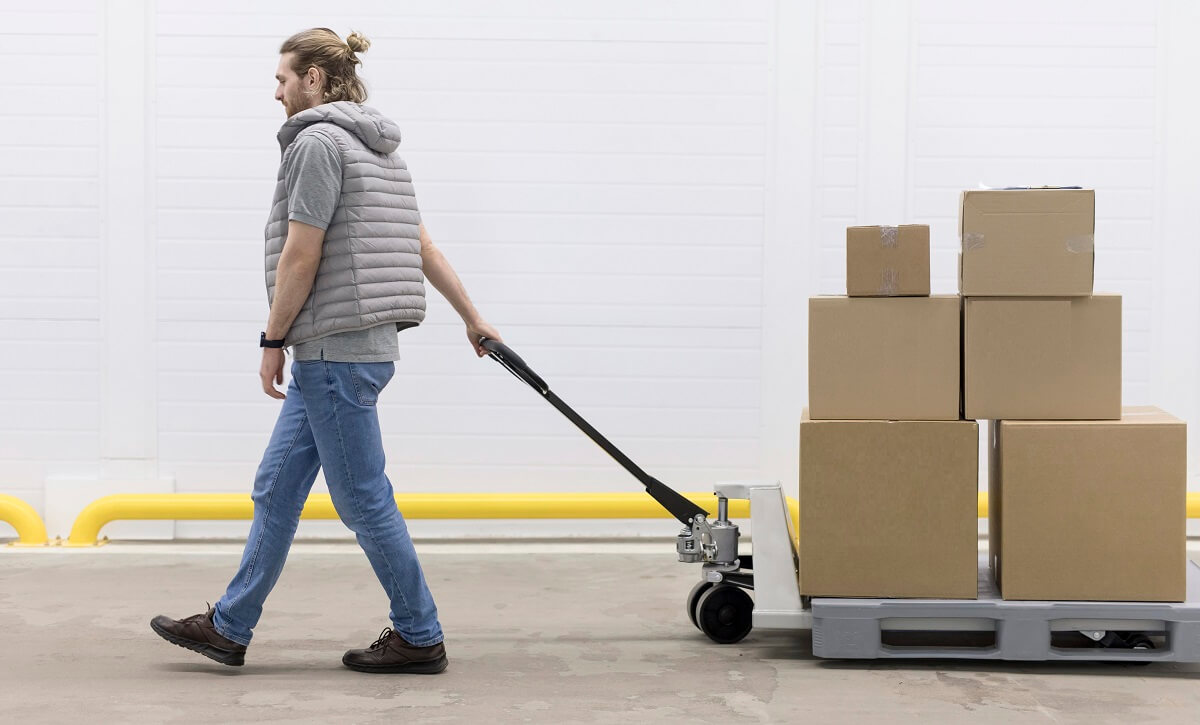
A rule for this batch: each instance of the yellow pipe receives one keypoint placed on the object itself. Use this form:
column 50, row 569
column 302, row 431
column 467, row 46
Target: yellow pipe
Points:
column 217, row 506
column 30, row 529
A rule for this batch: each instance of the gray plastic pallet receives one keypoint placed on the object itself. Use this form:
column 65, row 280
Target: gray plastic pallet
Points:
column 853, row 628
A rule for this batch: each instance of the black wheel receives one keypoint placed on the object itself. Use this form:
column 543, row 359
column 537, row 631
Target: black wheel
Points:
column 1138, row 640
column 694, row 598
column 725, row 613
column 1127, row 640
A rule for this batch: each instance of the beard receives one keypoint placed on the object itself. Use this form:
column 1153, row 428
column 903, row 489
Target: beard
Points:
column 296, row 102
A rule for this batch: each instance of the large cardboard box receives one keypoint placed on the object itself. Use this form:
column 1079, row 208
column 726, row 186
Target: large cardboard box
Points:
column 887, row 261
column 884, row 357
column 1089, row 510
column 1042, row 358
column 889, row 508
column 1027, row 242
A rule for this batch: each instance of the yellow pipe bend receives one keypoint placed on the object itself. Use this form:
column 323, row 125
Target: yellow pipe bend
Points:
column 30, row 529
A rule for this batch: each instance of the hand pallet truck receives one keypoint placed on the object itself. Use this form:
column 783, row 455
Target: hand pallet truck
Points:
column 720, row 606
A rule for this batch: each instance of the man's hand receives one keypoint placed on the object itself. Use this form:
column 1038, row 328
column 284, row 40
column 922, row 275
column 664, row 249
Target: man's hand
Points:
column 481, row 329
column 272, row 370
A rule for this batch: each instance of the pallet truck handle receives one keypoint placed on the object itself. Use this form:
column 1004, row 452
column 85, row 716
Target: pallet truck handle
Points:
column 679, row 506
column 514, row 364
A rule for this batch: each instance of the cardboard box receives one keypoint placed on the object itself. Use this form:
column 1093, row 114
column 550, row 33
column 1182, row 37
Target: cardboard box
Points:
column 887, row 261
column 1042, row 358
column 889, row 508
column 1027, row 242
column 1089, row 510
column 884, row 358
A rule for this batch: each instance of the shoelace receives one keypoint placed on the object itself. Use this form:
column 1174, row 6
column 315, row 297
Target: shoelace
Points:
column 384, row 636
column 198, row 617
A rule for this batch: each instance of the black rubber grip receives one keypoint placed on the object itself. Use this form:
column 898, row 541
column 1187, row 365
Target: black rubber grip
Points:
column 511, row 360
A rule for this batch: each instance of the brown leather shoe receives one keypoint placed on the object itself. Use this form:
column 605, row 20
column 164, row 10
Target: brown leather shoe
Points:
column 198, row 634
column 390, row 653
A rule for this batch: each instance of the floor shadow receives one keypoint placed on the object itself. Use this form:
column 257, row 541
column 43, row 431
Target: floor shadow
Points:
column 219, row 670
column 1147, row 670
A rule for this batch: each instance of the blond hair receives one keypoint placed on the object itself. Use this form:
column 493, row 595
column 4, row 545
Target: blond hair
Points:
column 323, row 49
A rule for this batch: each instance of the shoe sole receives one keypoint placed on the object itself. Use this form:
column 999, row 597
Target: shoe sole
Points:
column 213, row 652
column 432, row 667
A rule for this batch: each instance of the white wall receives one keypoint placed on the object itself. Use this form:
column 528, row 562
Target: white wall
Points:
column 639, row 195
column 51, row 195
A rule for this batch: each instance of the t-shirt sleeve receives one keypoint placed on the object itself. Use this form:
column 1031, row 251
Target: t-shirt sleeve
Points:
column 314, row 180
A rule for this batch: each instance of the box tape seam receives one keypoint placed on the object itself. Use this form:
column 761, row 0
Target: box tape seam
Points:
column 889, row 281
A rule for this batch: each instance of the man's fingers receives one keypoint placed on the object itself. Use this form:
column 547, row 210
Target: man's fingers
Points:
column 270, row 390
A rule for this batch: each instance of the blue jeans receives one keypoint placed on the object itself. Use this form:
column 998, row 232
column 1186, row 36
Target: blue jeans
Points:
column 329, row 420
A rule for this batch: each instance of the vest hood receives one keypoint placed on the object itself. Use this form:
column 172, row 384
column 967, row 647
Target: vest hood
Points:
column 377, row 131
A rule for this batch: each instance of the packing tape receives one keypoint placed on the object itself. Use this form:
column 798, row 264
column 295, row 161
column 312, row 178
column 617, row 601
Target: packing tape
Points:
column 1081, row 244
column 889, row 236
column 889, row 281
column 972, row 240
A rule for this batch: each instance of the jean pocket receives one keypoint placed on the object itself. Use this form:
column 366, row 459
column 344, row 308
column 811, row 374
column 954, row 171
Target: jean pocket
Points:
column 369, row 379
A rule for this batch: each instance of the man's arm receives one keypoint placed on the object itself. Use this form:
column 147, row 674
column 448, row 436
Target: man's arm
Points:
column 294, row 276
column 439, row 272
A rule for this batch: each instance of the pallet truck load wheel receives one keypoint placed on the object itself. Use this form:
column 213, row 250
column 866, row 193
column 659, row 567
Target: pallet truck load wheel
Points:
column 694, row 599
column 725, row 613
column 1126, row 640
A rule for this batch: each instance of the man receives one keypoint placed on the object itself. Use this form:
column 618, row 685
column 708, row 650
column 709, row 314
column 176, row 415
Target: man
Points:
column 346, row 256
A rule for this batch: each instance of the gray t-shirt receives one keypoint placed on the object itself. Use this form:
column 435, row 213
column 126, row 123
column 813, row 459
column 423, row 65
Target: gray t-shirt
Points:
column 314, row 187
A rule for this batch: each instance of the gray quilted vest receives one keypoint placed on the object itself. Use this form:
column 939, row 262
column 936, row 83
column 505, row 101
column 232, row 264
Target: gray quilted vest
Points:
column 370, row 270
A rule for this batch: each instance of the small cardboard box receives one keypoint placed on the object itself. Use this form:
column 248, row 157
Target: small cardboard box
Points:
column 1089, row 510
column 889, row 508
column 1042, row 358
column 1027, row 242
column 882, row 358
column 887, row 261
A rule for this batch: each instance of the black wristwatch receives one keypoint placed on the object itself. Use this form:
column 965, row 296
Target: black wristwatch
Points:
column 264, row 342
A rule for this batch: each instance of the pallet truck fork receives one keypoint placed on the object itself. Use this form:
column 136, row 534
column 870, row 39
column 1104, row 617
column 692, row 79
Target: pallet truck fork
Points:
column 720, row 606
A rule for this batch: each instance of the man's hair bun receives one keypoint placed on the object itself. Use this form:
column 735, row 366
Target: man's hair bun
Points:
column 358, row 42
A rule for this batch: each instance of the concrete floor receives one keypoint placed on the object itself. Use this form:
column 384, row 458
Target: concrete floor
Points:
column 547, row 633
